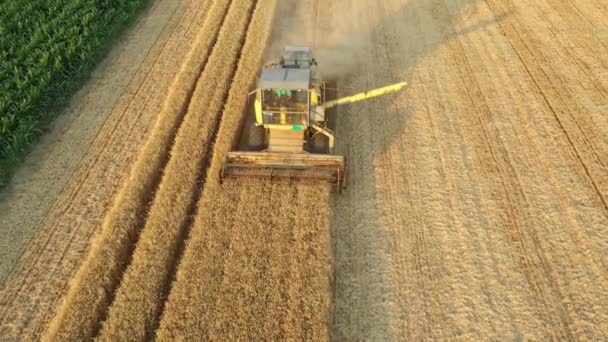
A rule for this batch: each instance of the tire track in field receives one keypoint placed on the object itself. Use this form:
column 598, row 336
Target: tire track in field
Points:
column 598, row 10
column 533, row 134
column 578, row 20
column 570, row 45
column 573, row 68
column 368, row 280
column 560, row 225
column 573, row 244
column 465, row 272
column 392, row 280
column 469, row 265
column 531, row 254
column 426, row 258
column 576, row 137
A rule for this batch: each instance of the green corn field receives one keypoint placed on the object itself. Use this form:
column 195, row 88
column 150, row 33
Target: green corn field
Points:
column 47, row 48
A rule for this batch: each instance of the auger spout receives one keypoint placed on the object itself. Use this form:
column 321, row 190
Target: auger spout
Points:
column 365, row 95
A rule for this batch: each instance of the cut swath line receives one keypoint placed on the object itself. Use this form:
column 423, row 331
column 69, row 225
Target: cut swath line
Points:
column 548, row 102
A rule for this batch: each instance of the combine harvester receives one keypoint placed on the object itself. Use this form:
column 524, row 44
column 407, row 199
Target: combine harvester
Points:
column 290, row 137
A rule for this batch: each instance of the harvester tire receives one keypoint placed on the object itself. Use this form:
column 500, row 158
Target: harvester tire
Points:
column 319, row 143
column 257, row 135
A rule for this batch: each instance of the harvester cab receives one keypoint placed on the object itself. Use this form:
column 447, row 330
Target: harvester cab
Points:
column 290, row 136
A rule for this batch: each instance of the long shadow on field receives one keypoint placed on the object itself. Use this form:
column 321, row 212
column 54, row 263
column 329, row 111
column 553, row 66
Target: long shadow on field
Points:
column 367, row 294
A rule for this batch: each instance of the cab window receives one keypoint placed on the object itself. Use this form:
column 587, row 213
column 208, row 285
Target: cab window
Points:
column 285, row 100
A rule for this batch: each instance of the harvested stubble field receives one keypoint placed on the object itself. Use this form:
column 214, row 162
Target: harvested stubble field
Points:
column 476, row 203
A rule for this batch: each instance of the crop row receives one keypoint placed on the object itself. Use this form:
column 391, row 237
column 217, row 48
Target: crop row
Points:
column 91, row 290
column 47, row 47
column 140, row 298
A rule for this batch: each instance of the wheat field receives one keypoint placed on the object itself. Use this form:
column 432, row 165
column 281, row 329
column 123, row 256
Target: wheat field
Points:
column 476, row 202
column 139, row 298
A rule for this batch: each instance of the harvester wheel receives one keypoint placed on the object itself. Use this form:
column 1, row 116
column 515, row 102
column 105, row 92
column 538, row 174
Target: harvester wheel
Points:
column 257, row 135
column 319, row 143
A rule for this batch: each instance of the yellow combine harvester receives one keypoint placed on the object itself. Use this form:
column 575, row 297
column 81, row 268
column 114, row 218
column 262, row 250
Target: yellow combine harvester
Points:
column 290, row 137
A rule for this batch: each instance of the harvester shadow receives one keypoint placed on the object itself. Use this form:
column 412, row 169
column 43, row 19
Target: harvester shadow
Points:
column 365, row 291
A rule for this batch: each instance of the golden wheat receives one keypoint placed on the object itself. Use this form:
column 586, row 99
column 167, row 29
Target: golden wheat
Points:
column 257, row 266
column 91, row 289
column 140, row 297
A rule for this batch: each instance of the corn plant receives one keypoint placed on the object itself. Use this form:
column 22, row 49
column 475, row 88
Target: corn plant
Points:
column 47, row 48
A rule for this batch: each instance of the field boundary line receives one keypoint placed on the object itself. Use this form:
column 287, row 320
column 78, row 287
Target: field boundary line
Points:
column 541, row 90
column 536, row 268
